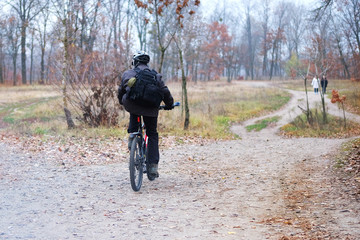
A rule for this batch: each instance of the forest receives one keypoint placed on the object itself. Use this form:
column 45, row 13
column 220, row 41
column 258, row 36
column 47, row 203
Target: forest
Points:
column 82, row 47
column 242, row 40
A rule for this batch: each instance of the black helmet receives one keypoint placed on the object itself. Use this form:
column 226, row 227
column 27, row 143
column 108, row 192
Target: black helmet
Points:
column 141, row 57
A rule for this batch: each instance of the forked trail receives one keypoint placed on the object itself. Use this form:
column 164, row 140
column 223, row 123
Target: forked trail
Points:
column 263, row 186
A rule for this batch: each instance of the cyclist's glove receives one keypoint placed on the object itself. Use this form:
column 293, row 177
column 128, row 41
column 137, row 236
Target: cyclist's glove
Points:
column 168, row 107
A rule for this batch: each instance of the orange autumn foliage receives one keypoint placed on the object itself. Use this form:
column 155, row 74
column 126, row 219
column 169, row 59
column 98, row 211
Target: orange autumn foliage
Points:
column 336, row 97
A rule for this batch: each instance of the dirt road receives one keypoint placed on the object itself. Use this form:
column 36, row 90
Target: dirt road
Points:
column 260, row 187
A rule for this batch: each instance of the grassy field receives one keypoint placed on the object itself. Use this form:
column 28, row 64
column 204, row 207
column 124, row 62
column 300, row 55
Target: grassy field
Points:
column 214, row 106
column 348, row 88
column 335, row 126
column 298, row 84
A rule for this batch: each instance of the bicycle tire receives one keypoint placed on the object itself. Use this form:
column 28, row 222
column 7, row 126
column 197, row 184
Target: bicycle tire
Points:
column 136, row 164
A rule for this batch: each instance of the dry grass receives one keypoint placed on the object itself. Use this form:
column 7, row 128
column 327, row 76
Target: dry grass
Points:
column 333, row 128
column 214, row 106
column 25, row 93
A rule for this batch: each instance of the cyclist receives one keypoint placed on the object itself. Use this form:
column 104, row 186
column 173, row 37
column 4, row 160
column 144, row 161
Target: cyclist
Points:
column 150, row 114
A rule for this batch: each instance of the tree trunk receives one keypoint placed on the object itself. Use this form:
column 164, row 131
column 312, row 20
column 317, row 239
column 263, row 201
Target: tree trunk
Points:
column 196, row 72
column 342, row 104
column 23, row 52
column 162, row 50
column 1, row 64
column 31, row 59
column 69, row 120
column 14, row 70
column 346, row 68
column 64, row 74
column 272, row 60
column 184, row 92
column 308, row 113
column 323, row 103
column 250, row 48
column 42, row 66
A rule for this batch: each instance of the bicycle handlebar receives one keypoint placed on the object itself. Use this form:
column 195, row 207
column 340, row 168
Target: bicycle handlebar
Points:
column 176, row 104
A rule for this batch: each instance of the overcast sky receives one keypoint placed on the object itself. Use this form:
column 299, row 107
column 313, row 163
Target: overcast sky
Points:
column 208, row 6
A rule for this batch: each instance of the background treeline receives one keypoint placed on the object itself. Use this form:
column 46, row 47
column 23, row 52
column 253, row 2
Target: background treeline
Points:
column 44, row 41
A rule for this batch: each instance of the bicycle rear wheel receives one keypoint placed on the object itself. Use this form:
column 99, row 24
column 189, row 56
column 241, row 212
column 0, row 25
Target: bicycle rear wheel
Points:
column 136, row 164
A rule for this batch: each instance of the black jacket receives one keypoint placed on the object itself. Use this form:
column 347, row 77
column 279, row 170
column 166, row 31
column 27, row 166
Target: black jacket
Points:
column 324, row 82
column 134, row 108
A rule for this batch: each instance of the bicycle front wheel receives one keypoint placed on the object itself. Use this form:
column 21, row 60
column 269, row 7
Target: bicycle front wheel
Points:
column 136, row 164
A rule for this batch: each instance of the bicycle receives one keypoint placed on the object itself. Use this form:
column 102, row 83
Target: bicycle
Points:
column 138, row 163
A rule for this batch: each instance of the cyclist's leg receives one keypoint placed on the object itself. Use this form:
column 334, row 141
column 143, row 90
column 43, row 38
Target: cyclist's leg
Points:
column 133, row 127
column 153, row 144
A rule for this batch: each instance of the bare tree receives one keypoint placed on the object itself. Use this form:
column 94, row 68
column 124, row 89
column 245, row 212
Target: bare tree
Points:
column 340, row 47
column 182, row 6
column 350, row 14
column 2, row 55
column 27, row 11
column 64, row 13
column 165, row 24
column 265, row 29
column 114, row 43
column 306, row 111
column 278, row 38
column 250, row 48
column 141, row 22
column 13, row 37
column 88, row 82
column 42, row 37
column 295, row 29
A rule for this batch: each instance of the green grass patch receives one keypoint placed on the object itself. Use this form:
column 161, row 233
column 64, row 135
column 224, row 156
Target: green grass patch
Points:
column 261, row 124
column 9, row 119
column 40, row 131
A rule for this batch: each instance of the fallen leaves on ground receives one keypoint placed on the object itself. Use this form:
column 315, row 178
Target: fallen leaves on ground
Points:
column 78, row 151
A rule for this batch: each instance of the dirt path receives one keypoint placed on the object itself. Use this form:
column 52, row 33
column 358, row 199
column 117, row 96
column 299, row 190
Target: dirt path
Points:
column 260, row 187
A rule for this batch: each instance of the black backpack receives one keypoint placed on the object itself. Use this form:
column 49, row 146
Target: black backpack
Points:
column 146, row 90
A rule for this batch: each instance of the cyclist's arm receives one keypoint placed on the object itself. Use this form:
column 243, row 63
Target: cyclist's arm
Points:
column 123, row 87
column 168, row 99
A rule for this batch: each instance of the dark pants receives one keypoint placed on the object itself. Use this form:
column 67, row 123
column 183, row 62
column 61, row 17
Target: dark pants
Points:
column 151, row 132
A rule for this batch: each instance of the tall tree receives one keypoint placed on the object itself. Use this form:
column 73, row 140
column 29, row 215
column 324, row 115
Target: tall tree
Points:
column 2, row 55
column 13, row 36
column 32, row 34
column 65, row 14
column 339, row 40
column 114, row 45
column 42, row 30
column 295, row 29
column 165, row 26
column 27, row 11
column 141, row 21
column 350, row 13
column 278, row 38
column 265, row 29
column 250, row 48
column 182, row 6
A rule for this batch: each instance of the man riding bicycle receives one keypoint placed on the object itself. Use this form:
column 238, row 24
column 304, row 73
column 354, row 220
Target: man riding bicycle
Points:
column 137, row 109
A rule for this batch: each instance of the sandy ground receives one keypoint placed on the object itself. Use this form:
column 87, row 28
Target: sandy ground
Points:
column 262, row 186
